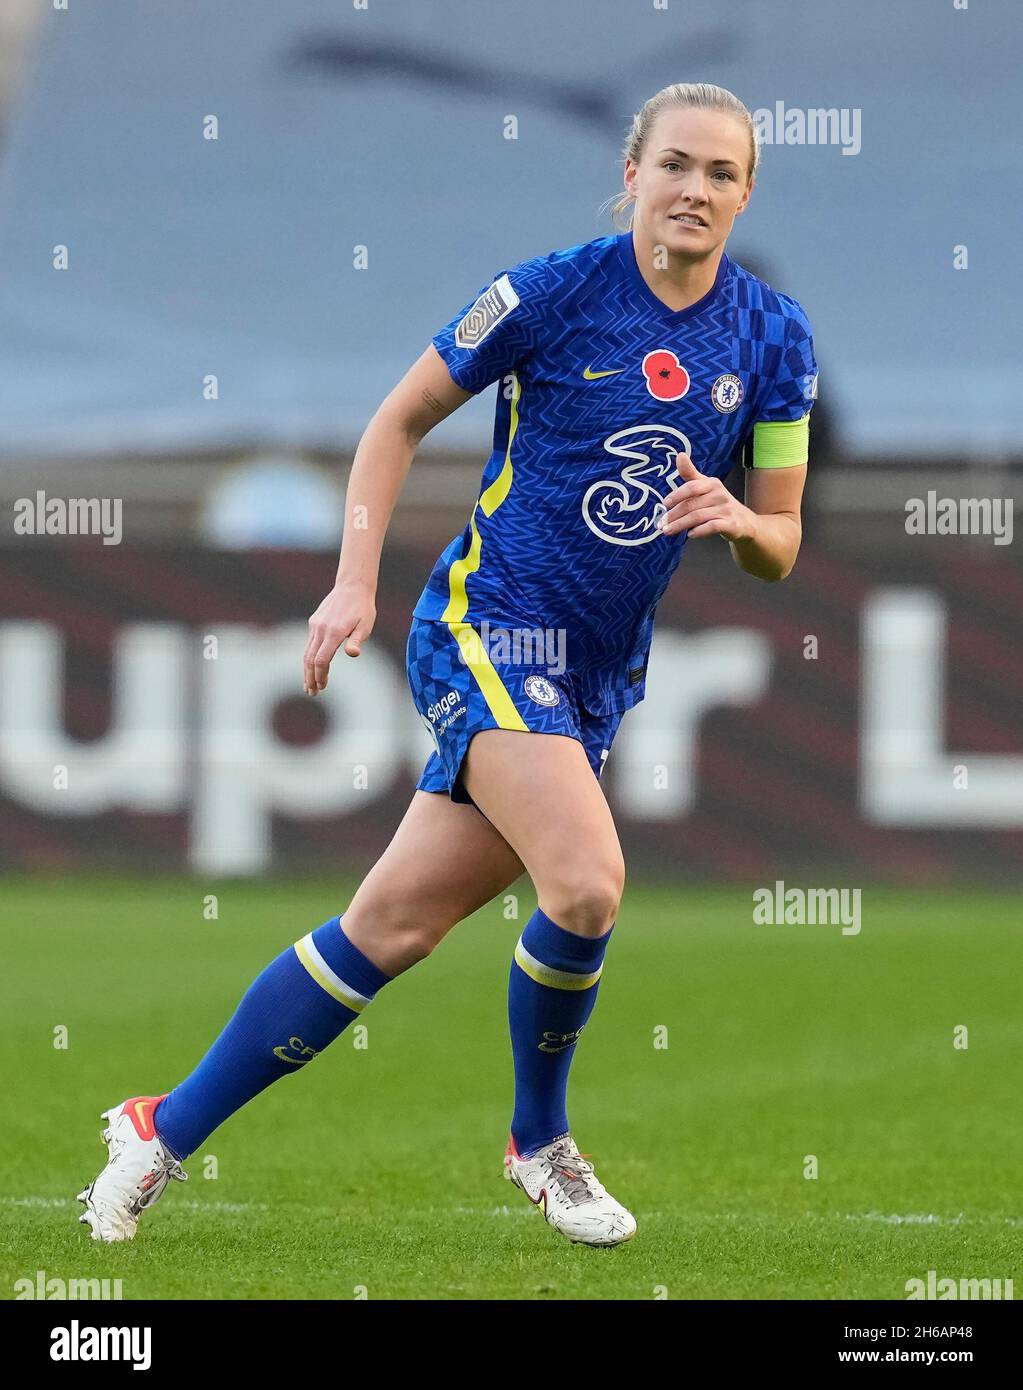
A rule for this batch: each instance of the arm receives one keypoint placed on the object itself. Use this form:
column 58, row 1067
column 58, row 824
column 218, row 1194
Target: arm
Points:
column 425, row 396
column 764, row 534
column 772, row 499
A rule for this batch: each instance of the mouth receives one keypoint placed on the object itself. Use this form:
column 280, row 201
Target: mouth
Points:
column 688, row 219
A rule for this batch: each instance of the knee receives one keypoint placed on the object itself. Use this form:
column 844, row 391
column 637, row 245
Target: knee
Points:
column 397, row 937
column 585, row 899
column 411, row 938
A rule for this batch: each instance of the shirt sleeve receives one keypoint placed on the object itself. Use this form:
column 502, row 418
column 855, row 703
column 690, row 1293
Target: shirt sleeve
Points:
column 794, row 387
column 498, row 330
column 780, row 437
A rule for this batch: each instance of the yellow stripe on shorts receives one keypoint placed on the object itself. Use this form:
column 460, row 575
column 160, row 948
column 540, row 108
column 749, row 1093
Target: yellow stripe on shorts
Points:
column 477, row 658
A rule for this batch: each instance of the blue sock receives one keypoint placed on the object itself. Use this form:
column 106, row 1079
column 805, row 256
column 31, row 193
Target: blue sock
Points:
column 289, row 1014
column 551, row 994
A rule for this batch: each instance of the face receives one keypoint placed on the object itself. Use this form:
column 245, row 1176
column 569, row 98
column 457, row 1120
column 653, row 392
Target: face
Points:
column 691, row 181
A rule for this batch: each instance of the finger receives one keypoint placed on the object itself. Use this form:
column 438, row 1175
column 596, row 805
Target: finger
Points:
column 716, row 527
column 688, row 521
column 705, row 498
column 690, row 489
column 317, row 637
column 308, row 678
column 353, row 644
column 322, row 659
column 686, row 468
column 705, row 494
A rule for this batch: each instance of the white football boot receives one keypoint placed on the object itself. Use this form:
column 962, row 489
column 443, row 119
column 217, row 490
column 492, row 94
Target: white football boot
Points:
column 138, row 1169
column 559, row 1180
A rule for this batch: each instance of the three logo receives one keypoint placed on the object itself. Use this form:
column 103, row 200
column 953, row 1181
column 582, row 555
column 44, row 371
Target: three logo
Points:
column 625, row 510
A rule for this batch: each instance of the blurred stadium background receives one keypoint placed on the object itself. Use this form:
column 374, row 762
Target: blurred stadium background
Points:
column 855, row 726
column 190, row 258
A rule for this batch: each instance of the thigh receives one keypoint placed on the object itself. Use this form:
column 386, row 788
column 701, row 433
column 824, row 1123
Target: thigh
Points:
column 464, row 682
column 540, row 792
column 444, row 861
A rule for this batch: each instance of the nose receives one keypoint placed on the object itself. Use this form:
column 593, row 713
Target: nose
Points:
column 695, row 186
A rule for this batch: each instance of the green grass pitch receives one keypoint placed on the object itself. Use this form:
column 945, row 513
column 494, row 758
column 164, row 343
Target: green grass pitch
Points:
column 377, row 1172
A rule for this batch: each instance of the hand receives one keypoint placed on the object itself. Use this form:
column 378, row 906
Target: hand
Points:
column 704, row 507
column 345, row 616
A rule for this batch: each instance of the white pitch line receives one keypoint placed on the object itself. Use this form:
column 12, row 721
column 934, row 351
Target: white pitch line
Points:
column 929, row 1218
column 883, row 1218
column 192, row 1204
column 36, row 1201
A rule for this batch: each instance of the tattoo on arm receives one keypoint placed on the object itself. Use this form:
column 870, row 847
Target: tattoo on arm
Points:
column 432, row 401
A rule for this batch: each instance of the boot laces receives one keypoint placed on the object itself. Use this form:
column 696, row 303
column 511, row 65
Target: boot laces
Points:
column 150, row 1186
column 572, row 1172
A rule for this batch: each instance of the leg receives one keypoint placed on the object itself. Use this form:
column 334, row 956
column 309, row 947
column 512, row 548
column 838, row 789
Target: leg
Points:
column 443, row 863
column 540, row 792
column 446, row 859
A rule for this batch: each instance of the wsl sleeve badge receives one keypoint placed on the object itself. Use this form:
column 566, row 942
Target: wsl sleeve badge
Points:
column 726, row 394
column 493, row 305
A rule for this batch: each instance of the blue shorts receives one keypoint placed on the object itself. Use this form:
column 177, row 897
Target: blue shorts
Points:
column 459, row 688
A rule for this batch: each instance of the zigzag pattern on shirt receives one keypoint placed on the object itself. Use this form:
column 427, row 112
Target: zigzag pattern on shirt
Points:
column 573, row 544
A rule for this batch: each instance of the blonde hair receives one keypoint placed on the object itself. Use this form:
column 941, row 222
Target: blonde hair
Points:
column 699, row 96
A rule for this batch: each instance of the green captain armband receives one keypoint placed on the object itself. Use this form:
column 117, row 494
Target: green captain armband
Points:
column 778, row 444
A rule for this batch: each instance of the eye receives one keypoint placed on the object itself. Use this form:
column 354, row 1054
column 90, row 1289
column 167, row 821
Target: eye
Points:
column 673, row 164
column 725, row 174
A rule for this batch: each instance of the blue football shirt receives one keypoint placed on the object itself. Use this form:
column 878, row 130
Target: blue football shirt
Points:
column 601, row 387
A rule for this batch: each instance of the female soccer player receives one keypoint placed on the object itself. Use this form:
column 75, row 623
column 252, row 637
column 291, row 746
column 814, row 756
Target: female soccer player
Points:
column 635, row 370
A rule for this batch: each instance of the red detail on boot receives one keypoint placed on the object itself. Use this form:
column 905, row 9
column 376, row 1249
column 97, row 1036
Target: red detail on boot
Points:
column 141, row 1110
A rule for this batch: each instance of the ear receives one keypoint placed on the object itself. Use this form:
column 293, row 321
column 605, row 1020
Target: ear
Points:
column 745, row 197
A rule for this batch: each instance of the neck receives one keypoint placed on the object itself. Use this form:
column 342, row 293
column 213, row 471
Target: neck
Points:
column 682, row 280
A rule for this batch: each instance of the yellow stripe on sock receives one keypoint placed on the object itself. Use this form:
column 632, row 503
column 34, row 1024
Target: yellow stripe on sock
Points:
column 334, row 986
column 547, row 975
